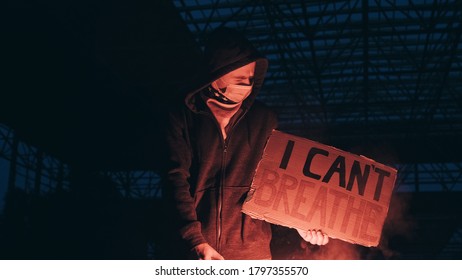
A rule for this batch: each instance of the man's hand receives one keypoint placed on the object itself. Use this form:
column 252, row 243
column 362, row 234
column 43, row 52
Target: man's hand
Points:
column 205, row 252
column 315, row 237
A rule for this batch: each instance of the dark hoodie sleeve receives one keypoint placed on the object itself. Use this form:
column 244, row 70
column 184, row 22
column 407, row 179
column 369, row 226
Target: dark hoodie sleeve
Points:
column 179, row 163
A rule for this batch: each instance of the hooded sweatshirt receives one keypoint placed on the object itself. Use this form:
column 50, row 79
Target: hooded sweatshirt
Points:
column 211, row 166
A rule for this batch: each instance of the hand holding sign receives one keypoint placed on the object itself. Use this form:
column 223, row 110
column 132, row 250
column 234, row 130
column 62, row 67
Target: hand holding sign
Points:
column 315, row 237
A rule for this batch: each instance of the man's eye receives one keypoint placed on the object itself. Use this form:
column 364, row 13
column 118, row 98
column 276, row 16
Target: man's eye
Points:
column 246, row 81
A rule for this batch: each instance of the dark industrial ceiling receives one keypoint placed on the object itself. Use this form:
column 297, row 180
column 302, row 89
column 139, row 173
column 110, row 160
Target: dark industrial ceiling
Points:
column 356, row 72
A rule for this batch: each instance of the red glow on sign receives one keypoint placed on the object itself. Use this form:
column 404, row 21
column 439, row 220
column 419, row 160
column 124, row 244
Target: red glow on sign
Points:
column 307, row 185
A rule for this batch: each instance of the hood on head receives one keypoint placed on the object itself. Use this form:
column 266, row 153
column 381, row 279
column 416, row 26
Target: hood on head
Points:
column 226, row 50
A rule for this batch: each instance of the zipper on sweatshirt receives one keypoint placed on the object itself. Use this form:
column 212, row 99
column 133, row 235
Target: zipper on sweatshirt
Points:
column 225, row 143
column 220, row 194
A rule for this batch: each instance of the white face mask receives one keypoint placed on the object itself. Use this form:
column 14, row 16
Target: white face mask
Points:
column 234, row 93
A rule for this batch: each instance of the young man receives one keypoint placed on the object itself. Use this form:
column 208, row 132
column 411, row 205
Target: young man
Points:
column 215, row 143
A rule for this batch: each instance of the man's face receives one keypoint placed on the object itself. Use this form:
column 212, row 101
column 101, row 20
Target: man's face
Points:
column 241, row 76
column 235, row 86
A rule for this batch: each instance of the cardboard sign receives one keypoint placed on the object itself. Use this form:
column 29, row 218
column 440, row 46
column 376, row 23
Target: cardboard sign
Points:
column 306, row 185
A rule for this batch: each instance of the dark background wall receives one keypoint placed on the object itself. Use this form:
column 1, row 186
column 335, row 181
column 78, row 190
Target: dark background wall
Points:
column 84, row 90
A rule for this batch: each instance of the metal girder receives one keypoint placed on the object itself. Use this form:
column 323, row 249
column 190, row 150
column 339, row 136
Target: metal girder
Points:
column 430, row 177
column 299, row 9
column 453, row 248
column 30, row 169
column 141, row 184
column 38, row 173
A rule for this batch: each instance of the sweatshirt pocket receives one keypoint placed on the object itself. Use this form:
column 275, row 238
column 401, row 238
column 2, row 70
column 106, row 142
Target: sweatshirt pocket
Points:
column 207, row 213
column 240, row 228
